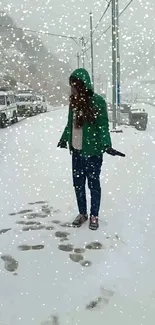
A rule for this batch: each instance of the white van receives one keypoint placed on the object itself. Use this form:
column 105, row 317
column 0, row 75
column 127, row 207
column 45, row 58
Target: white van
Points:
column 8, row 107
column 26, row 104
column 41, row 103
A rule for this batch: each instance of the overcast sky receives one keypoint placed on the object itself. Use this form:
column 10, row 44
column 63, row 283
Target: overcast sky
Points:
column 72, row 17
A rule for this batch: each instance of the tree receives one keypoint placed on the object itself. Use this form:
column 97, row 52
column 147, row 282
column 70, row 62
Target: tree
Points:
column 10, row 80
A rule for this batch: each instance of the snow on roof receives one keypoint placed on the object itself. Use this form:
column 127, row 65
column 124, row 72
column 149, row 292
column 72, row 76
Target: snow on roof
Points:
column 5, row 93
column 24, row 94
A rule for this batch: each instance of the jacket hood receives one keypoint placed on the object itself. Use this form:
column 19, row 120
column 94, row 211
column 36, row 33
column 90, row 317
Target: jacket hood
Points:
column 83, row 75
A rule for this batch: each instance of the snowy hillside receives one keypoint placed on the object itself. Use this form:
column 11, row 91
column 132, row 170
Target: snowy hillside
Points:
column 52, row 274
column 24, row 58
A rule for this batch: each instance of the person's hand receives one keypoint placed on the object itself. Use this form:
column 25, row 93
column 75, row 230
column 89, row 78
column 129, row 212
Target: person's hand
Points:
column 62, row 144
column 113, row 152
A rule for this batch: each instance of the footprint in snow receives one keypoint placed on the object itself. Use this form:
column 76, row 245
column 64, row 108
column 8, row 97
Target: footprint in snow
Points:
column 64, row 239
column 66, row 225
column 56, row 222
column 3, row 231
column 94, row 303
column 106, row 296
column 33, row 227
column 76, row 257
column 49, row 228
column 37, row 202
column 107, row 292
column 24, row 211
column 103, row 300
column 52, row 320
column 27, row 247
column 86, row 263
column 42, row 216
column 66, row 248
column 56, row 211
column 55, row 320
column 35, row 215
column 24, row 247
column 79, row 250
column 94, row 245
column 46, row 209
column 49, row 210
column 28, row 223
column 10, row 263
column 61, row 234
column 37, row 247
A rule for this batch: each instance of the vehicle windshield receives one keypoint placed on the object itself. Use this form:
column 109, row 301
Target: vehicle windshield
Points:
column 2, row 100
column 24, row 98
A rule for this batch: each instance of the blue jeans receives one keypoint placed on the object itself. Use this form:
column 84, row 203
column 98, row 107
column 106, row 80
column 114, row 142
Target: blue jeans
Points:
column 87, row 168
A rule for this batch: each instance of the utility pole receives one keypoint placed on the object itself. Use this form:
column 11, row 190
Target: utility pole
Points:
column 92, row 48
column 118, row 65
column 114, row 63
column 99, row 83
column 83, row 49
column 78, row 60
column 106, row 87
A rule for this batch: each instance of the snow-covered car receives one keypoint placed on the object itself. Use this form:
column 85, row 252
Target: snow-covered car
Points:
column 138, row 117
column 125, row 108
column 41, row 103
column 26, row 104
column 8, row 107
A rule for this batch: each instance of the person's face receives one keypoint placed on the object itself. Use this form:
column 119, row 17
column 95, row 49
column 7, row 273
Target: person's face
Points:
column 76, row 87
column 74, row 90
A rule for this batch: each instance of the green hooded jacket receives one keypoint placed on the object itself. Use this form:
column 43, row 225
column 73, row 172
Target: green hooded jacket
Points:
column 96, row 137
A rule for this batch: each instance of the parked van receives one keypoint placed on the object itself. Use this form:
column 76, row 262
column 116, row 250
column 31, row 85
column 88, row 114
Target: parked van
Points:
column 138, row 117
column 26, row 104
column 8, row 107
column 41, row 103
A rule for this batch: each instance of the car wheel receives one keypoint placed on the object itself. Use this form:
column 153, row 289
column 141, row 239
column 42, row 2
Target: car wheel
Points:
column 14, row 117
column 143, row 127
column 3, row 121
column 31, row 113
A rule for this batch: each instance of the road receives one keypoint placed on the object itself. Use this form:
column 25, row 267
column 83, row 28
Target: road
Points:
column 39, row 278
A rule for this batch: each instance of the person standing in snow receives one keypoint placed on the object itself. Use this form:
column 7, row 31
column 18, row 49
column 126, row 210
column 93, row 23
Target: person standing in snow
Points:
column 88, row 136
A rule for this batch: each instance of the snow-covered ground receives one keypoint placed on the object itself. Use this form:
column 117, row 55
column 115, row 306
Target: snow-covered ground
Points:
column 40, row 282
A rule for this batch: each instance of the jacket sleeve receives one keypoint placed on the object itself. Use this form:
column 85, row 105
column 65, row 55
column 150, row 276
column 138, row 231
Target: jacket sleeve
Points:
column 103, row 124
column 65, row 134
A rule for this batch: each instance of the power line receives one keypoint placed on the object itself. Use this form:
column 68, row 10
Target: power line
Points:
column 125, row 7
column 107, row 7
column 106, row 30
column 74, row 38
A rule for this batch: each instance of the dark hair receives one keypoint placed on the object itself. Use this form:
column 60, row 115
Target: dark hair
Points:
column 82, row 103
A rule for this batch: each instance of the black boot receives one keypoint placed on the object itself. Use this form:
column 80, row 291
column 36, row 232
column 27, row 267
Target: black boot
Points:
column 79, row 220
column 93, row 223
